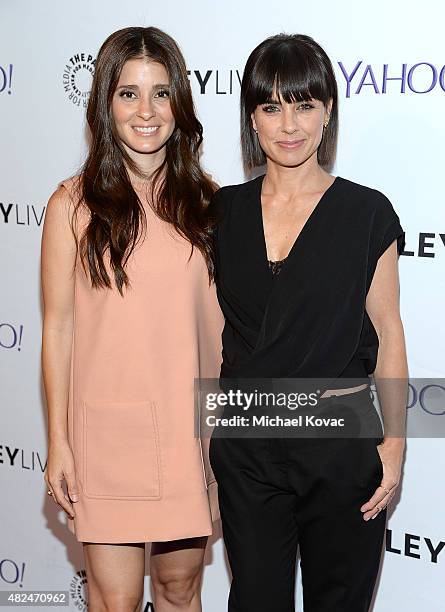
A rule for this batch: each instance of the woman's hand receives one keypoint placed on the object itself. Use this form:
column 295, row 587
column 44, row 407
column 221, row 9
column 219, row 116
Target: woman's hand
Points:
column 391, row 455
column 60, row 467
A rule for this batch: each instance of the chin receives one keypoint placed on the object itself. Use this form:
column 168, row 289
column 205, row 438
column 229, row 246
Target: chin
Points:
column 289, row 161
column 147, row 147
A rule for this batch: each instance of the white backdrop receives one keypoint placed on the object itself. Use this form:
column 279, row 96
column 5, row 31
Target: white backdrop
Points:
column 391, row 138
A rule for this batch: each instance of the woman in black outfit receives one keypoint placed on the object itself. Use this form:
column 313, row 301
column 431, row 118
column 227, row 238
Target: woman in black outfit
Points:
column 307, row 279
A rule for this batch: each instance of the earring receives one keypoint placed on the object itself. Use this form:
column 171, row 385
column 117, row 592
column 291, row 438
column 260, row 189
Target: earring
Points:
column 326, row 123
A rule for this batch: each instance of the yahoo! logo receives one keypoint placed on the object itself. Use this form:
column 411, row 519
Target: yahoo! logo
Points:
column 427, row 397
column 11, row 336
column 420, row 78
column 6, row 78
column 426, row 393
column 12, row 572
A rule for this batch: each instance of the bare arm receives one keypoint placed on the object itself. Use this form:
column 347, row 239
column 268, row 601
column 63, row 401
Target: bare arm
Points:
column 57, row 260
column 390, row 375
column 391, row 371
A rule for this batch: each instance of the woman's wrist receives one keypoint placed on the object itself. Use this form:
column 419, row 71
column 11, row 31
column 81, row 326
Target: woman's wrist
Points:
column 396, row 442
column 57, row 436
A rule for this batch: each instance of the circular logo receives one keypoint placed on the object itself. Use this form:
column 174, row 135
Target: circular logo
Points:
column 77, row 76
column 77, row 591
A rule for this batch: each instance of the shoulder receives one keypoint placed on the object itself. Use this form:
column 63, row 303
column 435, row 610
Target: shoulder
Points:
column 229, row 192
column 224, row 198
column 377, row 206
column 67, row 190
column 62, row 203
column 71, row 186
column 375, row 201
column 381, row 218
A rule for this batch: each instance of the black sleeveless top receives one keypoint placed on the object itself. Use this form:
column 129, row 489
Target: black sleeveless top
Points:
column 308, row 321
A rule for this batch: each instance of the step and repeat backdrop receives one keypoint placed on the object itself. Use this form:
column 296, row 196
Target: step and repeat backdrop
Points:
column 389, row 60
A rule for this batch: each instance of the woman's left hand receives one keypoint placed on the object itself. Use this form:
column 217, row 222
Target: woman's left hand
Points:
column 391, row 455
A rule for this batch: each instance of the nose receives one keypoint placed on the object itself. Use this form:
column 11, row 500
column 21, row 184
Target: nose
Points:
column 146, row 108
column 289, row 119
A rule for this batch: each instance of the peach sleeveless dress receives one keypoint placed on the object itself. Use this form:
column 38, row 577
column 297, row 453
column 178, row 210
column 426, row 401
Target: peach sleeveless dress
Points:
column 142, row 474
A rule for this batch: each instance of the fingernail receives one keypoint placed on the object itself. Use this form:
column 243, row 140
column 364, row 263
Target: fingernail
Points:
column 74, row 497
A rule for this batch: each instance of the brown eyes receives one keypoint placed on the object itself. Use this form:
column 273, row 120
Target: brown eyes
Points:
column 128, row 94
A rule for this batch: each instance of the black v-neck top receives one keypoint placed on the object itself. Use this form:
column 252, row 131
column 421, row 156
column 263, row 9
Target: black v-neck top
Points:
column 308, row 321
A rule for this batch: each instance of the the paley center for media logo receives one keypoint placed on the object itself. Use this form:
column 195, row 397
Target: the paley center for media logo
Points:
column 77, row 77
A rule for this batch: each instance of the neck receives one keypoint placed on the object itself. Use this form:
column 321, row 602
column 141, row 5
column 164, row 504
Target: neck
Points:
column 147, row 163
column 286, row 182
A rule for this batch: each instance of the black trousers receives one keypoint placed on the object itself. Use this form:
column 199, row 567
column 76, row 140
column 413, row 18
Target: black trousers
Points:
column 278, row 494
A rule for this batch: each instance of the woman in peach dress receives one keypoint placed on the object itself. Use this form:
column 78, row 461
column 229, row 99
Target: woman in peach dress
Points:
column 130, row 320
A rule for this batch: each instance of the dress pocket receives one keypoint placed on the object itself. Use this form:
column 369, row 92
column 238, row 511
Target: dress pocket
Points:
column 121, row 450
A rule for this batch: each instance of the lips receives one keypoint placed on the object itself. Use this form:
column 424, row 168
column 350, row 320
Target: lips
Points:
column 145, row 130
column 290, row 144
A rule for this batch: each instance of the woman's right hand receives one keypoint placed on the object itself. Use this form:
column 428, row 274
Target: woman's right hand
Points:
column 60, row 467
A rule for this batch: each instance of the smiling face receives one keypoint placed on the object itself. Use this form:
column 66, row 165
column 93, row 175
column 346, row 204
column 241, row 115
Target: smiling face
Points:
column 290, row 133
column 141, row 111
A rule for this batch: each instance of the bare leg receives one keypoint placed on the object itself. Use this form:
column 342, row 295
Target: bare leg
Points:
column 176, row 572
column 115, row 574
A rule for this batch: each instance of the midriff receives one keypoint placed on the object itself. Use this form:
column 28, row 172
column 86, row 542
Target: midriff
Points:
column 331, row 392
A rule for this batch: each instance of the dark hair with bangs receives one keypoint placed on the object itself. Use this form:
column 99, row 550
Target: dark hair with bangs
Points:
column 300, row 70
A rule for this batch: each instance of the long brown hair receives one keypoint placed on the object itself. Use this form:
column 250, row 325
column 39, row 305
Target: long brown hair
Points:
column 182, row 189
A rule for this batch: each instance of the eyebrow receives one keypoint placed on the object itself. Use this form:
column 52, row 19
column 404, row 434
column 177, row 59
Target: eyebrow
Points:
column 156, row 86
